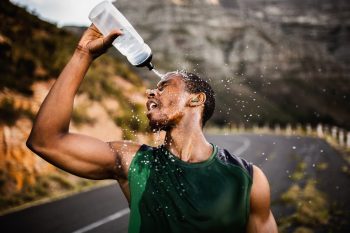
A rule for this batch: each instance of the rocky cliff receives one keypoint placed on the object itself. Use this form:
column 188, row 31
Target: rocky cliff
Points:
column 269, row 61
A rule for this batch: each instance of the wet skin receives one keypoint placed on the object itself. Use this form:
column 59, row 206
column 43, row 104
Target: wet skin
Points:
column 169, row 100
column 91, row 158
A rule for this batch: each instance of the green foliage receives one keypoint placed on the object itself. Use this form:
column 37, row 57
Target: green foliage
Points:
column 299, row 173
column 98, row 82
column 30, row 45
column 322, row 166
column 303, row 230
column 44, row 186
column 312, row 208
column 133, row 120
column 61, row 181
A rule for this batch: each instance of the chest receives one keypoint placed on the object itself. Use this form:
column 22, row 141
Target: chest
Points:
column 215, row 194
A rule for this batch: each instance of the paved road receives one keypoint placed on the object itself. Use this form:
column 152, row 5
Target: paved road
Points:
column 105, row 209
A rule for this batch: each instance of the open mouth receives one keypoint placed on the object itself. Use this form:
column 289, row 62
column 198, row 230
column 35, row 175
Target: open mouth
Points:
column 151, row 105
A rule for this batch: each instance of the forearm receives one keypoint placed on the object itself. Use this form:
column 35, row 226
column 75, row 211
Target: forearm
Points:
column 54, row 115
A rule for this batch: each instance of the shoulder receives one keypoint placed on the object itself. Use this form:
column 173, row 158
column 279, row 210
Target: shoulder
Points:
column 124, row 152
column 260, row 192
column 260, row 180
column 124, row 147
column 226, row 157
column 261, row 217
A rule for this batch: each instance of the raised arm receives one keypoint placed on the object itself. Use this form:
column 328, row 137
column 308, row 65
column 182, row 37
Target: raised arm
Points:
column 50, row 137
column 261, row 219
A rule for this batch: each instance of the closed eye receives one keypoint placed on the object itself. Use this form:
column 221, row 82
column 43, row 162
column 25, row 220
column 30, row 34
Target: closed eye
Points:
column 161, row 88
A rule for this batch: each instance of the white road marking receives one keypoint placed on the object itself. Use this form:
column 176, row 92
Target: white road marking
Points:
column 244, row 147
column 100, row 222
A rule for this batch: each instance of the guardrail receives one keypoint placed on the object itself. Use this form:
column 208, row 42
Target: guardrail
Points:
column 333, row 134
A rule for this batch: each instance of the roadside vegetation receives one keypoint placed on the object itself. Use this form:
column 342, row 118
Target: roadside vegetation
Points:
column 32, row 50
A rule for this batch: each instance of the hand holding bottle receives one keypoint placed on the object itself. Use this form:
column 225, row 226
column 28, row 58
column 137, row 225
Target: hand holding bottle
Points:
column 107, row 17
column 93, row 43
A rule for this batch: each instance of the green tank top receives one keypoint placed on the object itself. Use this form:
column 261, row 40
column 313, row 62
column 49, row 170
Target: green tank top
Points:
column 173, row 196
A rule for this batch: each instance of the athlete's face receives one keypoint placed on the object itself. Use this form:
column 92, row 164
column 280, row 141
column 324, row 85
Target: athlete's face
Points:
column 167, row 103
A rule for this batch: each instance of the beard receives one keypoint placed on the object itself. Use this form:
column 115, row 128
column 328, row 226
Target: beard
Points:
column 158, row 125
column 164, row 122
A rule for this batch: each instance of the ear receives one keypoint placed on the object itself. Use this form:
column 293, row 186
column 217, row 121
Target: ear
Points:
column 197, row 99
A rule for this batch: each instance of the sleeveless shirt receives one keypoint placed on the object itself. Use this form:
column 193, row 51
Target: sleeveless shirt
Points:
column 173, row 196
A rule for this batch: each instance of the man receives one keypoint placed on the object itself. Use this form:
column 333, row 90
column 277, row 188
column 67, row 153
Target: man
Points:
column 185, row 185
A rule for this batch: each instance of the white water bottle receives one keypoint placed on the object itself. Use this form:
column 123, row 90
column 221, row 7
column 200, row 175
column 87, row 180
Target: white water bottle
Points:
column 106, row 17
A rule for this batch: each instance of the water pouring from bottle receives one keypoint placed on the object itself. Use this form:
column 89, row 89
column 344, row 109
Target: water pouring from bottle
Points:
column 106, row 17
column 157, row 73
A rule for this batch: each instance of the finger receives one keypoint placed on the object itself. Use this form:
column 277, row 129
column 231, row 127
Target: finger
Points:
column 108, row 40
column 92, row 26
column 95, row 29
column 96, row 45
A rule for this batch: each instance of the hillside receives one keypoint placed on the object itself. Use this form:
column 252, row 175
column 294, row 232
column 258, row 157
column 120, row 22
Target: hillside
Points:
column 269, row 61
column 110, row 103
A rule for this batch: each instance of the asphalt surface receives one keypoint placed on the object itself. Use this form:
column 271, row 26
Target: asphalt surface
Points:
column 106, row 210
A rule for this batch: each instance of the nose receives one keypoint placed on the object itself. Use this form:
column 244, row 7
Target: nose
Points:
column 150, row 93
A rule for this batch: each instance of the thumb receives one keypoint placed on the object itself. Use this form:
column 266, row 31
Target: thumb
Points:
column 108, row 40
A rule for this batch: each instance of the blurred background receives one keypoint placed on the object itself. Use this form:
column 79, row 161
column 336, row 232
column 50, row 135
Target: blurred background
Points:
column 280, row 70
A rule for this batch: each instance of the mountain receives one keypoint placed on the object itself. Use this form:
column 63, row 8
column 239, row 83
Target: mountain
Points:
column 110, row 104
column 284, row 61
column 270, row 61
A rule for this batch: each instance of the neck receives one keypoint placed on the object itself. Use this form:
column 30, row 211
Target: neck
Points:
column 186, row 141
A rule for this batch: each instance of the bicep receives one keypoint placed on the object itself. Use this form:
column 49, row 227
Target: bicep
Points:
column 80, row 155
column 261, row 219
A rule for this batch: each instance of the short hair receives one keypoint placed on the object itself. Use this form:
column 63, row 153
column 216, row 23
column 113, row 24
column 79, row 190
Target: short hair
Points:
column 195, row 84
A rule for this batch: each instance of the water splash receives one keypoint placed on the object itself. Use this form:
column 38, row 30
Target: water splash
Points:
column 158, row 137
column 157, row 73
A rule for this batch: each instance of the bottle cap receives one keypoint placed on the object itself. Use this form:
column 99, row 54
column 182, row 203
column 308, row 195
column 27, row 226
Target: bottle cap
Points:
column 147, row 63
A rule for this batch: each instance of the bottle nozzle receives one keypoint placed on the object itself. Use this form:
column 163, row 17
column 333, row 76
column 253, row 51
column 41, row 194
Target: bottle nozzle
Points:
column 150, row 66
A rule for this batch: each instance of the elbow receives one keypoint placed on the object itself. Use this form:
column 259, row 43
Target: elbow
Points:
column 34, row 144
column 31, row 145
column 40, row 145
column 37, row 148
